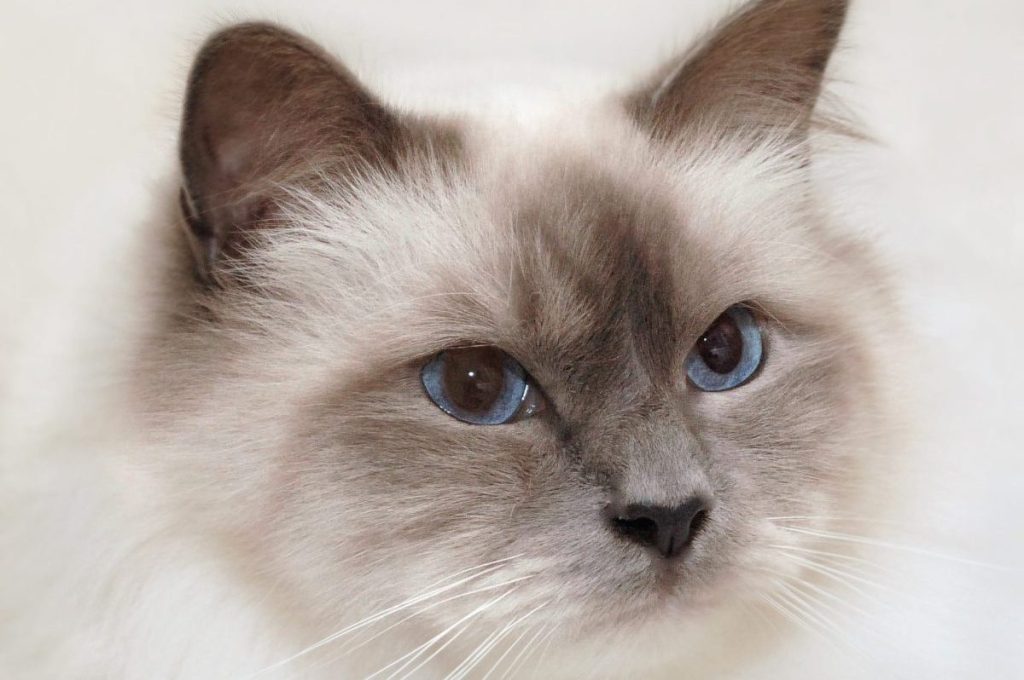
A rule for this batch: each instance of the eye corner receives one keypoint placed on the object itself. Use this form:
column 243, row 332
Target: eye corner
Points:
column 534, row 402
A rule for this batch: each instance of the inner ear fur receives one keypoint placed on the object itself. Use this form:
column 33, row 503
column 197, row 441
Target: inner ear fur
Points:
column 264, row 106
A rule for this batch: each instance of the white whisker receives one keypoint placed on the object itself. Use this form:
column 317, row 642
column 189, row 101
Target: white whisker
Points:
column 487, row 645
column 520, row 658
column 797, row 614
column 410, row 657
column 508, row 651
column 857, row 566
column 481, row 651
column 812, row 608
column 432, row 605
column 802, row 583
column 754, row 609
column 428, row 658
column 841, row 518
column 435, row 589
column 545, row 644
column 863, row 540
column 845, row 577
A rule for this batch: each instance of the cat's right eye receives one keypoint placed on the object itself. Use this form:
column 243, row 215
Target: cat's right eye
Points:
column 481, row 385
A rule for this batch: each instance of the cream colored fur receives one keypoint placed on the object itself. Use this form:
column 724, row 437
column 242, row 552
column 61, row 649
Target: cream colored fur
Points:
column 103, row 579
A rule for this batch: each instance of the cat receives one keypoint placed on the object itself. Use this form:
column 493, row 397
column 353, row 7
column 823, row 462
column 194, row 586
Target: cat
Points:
column 431, row 396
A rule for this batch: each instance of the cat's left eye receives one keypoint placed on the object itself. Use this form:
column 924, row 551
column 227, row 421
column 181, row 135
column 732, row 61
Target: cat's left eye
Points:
column 728, row 353
column 481, row 386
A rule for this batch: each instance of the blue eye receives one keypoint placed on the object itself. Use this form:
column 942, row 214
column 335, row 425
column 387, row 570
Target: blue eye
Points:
column 480, row 386
column 728, row 352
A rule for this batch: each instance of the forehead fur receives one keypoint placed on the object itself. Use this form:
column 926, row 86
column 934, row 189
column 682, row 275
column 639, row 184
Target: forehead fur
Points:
column 557, row 226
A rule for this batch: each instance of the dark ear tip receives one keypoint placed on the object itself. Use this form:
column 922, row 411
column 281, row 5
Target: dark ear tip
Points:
column 256, row 40
column 255, row 31
column 230, row 68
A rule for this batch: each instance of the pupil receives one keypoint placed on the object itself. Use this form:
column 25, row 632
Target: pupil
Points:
column 474, row 378
column 721, row 346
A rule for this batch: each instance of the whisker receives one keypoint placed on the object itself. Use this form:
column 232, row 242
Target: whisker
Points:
column 862, row 625
column 863, row 540
column 790, row 614
column 824, row 553
column 429, row 657
column 753, row 608
column 508, row 651
column 812, row 609
column 433, row 605
column 843, row 577
column 802, row 583
column 515, row 663
column 842, row 518
column 849, row 580
column 410, row 657
column 478, row 654
column 489, row 643
column 533, row 646
column 859, row 565
column 546, row 642
column 434, row 590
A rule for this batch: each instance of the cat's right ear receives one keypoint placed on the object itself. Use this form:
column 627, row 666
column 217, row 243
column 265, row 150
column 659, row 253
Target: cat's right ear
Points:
column 262, row 106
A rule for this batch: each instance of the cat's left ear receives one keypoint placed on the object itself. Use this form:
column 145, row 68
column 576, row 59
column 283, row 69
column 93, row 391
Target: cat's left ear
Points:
column 263, row 107
column 759, row 73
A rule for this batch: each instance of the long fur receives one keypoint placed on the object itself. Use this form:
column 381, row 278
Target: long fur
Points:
column 260, row 471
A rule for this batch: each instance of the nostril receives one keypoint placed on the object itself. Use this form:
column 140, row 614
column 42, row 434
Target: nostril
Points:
column 641, row 529
column 697, row 524
column 669, row 530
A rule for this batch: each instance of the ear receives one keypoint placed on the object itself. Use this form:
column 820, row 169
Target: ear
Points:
column 264, row 105
column 760, row 71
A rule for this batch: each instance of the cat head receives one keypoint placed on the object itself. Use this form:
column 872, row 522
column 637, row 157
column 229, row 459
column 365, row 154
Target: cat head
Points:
column 572, row 371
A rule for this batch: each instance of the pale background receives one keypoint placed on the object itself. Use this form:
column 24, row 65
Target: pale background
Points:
column 87, row 124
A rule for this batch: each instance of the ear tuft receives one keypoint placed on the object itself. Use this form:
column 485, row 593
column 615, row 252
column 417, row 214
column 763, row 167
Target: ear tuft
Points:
column 264, row 105
column 760, row 70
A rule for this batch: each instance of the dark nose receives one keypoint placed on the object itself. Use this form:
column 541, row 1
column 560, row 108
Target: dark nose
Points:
column 668, row 530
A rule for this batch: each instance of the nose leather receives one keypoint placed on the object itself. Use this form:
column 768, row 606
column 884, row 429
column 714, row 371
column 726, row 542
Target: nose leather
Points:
column 668, row 530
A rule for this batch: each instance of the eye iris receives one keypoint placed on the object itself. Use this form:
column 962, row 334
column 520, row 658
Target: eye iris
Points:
column 474, row 378
column 481, row 385
column 728, row 353
column 721, row 347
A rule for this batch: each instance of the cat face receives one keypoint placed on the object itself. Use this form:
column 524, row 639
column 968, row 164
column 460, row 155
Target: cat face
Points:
column 343, row 383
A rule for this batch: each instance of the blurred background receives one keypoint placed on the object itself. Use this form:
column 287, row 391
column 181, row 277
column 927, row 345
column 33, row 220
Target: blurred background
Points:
column 88, row 121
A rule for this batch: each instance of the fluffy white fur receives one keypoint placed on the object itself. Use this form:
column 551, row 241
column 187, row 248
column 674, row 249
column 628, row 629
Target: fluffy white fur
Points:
column 97, row 585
